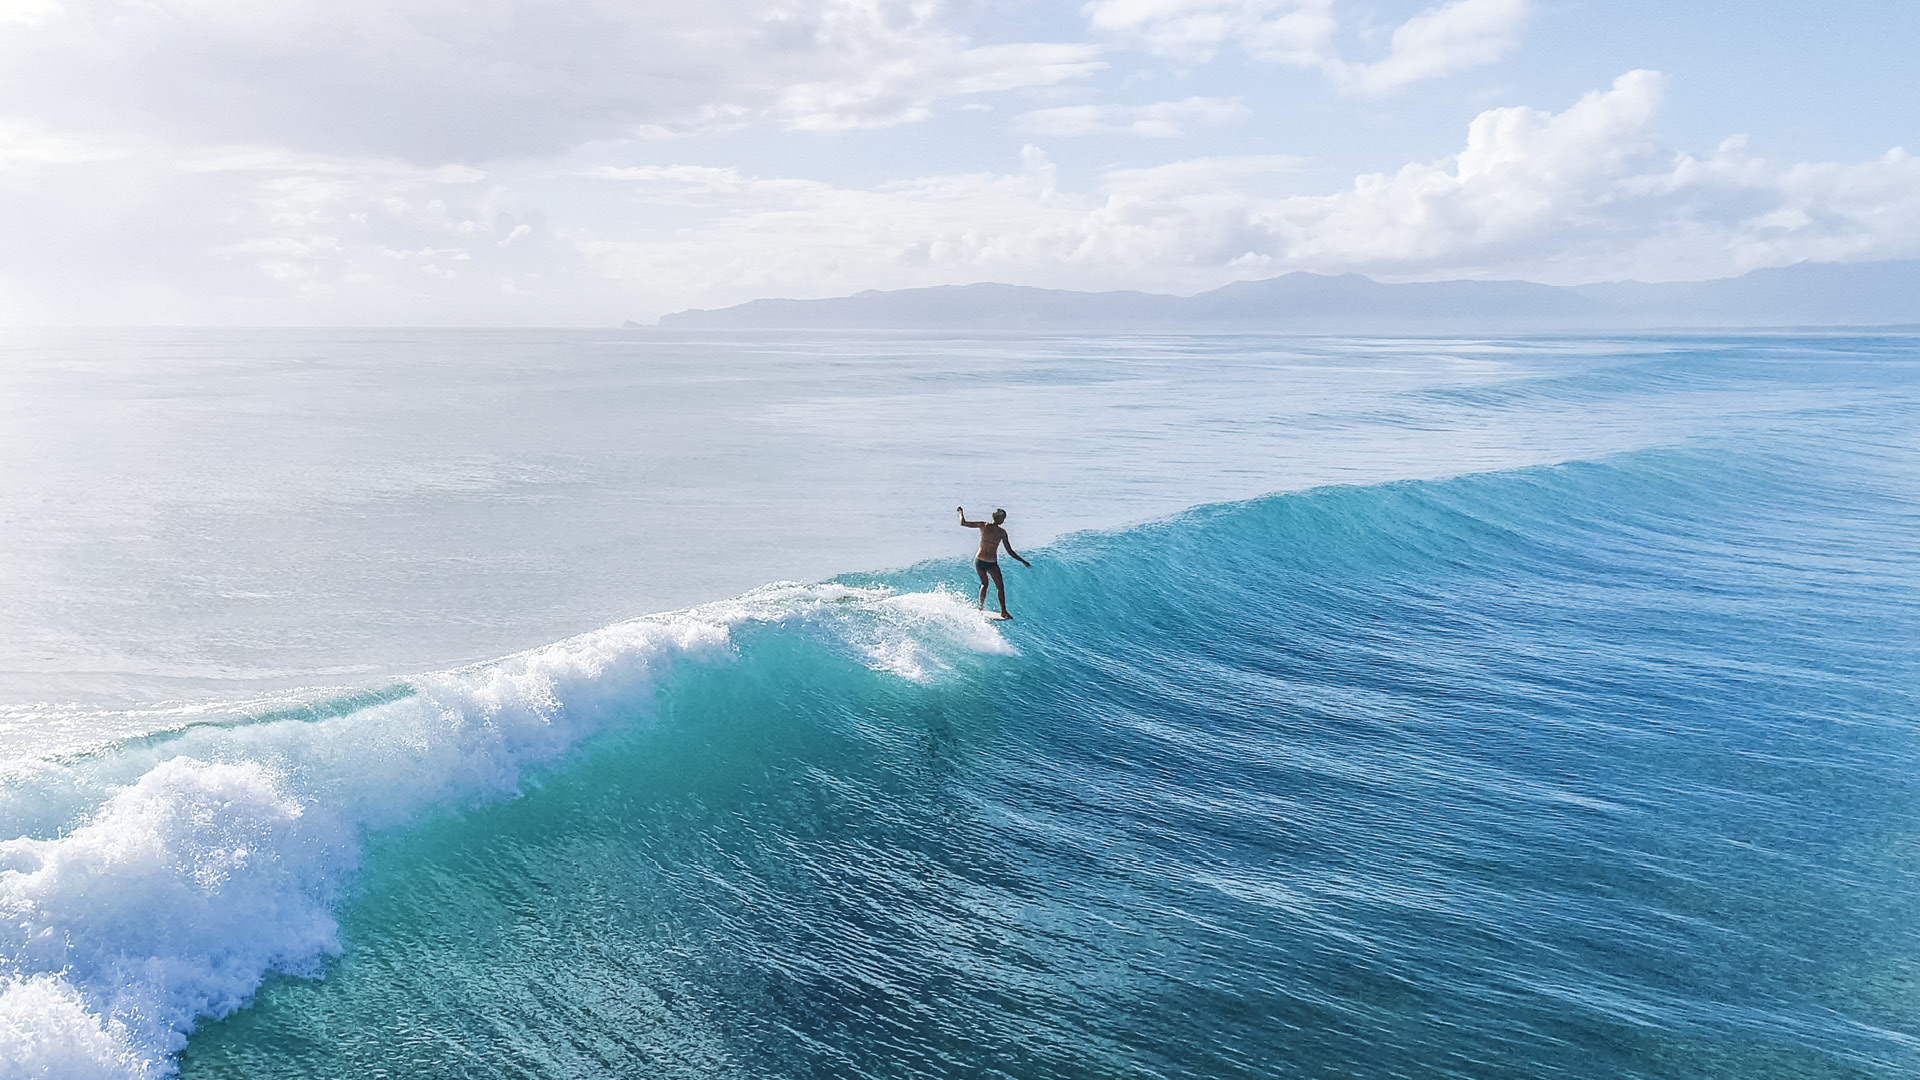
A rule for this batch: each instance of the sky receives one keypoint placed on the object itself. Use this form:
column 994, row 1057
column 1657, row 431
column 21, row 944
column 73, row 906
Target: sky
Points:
column 582, row 163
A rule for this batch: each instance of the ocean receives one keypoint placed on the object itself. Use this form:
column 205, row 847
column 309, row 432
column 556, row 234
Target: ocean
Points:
column 577, row 704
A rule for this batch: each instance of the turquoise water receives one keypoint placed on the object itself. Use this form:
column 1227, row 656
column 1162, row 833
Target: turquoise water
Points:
column 1607, row 766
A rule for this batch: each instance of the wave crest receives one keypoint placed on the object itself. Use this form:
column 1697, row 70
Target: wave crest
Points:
column 215, row 855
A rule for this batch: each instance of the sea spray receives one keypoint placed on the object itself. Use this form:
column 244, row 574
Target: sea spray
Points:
column 223, row 857
column 1600, row 769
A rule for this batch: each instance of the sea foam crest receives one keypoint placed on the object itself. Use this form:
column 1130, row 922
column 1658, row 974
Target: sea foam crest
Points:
column 213, row 856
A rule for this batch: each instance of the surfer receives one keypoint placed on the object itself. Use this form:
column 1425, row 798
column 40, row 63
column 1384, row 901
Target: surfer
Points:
column 987, row 562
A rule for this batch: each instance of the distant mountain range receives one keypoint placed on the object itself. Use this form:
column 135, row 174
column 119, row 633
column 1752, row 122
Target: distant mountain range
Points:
column 1806, row 294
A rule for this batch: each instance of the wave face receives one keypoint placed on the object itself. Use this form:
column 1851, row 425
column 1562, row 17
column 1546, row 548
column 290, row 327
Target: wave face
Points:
column 217, row 854
column 1607, row 768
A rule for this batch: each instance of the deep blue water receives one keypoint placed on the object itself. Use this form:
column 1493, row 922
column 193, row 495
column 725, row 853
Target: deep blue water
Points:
column 1603, row 768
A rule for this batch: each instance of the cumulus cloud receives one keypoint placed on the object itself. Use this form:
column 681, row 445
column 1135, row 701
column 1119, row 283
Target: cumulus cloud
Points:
column 1585, row 194
column 1523, row 173
column 134, row 230
column 1439, row 41
column 431, row 81
column 1161, row 120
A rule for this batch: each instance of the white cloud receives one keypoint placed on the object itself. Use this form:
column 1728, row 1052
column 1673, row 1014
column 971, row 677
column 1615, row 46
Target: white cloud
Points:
column 903, row 89
column 1160, row 120
column 1585, row 194
column 25, row 147
column 157, row 234
column 1439, row 41
column 691, row 177
column 143, row 231
column 1241, row 177
column 1287, row 31
column 431, row 81
column 28, row 12
column 1522, row 173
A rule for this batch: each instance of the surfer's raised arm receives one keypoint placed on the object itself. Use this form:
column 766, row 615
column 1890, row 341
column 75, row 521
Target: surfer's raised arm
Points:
column 964, row 523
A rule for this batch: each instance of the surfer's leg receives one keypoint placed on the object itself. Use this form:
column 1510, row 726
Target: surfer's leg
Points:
column 1000, row 587
column 981, row 569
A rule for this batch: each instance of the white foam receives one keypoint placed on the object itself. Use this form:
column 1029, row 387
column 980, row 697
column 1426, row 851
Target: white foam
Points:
column 47, row 1030
column 913, row 656
column 188, row 869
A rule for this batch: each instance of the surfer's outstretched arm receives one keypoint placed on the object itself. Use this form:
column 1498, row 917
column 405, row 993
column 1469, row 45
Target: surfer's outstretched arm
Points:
column 1008, row 544
column 964, row 523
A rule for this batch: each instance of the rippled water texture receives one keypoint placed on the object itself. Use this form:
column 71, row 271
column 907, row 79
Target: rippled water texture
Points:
column 206, row 525
column 1595, row 763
